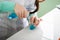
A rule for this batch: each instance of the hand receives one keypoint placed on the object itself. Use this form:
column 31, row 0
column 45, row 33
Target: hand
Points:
column 34, row 20
column 20, row 11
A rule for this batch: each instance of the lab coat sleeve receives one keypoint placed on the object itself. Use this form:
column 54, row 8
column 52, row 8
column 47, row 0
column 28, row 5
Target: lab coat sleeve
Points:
column 7, row 6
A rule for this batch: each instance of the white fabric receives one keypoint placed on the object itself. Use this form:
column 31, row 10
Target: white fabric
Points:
column 28, row 4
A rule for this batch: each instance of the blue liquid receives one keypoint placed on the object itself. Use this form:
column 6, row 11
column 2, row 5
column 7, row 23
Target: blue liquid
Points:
column 12, row 16
column 32, row 27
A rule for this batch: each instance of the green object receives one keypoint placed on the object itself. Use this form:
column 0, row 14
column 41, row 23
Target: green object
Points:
column 7, row 6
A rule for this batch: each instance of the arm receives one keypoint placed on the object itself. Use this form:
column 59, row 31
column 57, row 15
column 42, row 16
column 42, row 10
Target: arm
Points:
column 7, row 6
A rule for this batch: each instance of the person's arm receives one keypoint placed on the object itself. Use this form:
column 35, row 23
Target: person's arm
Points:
column 7, row 6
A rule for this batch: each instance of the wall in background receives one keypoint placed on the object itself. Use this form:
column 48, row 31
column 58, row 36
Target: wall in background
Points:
column 47, row 6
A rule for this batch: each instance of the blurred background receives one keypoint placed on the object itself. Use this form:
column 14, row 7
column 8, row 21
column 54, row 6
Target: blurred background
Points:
column 47, row 6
